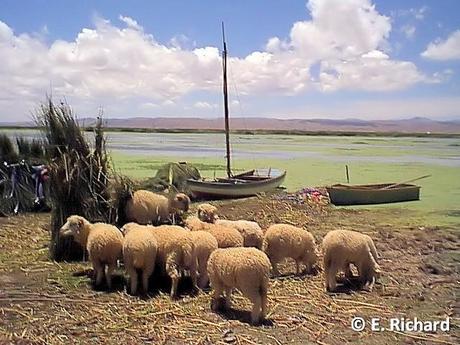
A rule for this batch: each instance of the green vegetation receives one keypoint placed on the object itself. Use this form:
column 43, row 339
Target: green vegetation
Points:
column 440, row 194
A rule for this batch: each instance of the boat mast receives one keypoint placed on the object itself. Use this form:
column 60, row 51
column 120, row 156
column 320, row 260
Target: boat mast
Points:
column 227, row 129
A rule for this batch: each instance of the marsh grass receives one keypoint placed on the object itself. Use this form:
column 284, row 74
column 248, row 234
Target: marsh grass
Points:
column 78, row 174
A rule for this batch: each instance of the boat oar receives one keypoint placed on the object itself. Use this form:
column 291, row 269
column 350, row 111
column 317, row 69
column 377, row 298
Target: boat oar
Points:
column 400, row 183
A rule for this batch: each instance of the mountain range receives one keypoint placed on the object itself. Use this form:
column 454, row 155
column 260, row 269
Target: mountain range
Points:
column 415, row 124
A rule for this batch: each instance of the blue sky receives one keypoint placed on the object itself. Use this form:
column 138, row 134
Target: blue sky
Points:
column 289, row 59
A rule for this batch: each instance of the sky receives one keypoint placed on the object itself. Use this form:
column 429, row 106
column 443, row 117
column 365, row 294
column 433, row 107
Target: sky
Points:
column 333, row 59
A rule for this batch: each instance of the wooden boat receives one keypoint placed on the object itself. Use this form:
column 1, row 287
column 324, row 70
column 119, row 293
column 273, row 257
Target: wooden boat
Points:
column 341, row 194
column 242, row 185
column 233, row 186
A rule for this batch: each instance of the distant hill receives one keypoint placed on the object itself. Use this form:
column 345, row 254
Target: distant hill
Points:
column 416, row 124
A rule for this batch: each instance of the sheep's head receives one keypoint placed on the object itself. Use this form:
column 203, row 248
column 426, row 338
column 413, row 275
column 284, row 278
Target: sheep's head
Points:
column 127, row 228
column 180, row 202
column 207, row 213
column 73, row 227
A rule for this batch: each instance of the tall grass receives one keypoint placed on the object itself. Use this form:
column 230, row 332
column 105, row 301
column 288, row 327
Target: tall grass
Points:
column 78, row 174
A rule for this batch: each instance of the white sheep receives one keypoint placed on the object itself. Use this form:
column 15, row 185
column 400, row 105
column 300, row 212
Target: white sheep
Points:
column 246, row 269
column 103, row 242
column 139, row 254
column 226, row 237
column 252, row 233
column 205, row 244
column 207, row 213
column 287, row 241
column 176, row 253
column 146, row 207
column 344, row 247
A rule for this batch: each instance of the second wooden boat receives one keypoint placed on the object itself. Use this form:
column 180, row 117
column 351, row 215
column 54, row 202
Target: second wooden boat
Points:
column 341, row 194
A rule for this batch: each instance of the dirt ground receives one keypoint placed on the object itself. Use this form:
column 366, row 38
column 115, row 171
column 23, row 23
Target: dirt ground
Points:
column 45, row 302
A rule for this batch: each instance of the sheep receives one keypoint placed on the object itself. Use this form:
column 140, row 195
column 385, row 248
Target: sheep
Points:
column 175, row 253
column 205, row 244
column 246, row 269
column 139, row 253
column 252, row 233
column 225, row 236
column 146, row 207
column 287, row 241
column 207, row 213
column 344, row 247
column 103, row 242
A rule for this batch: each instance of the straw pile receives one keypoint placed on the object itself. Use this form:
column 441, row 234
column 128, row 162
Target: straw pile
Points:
column 78, row 174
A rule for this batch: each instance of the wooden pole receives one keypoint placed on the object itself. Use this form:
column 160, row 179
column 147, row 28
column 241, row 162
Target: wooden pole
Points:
column 348, row 175
column 227, row 126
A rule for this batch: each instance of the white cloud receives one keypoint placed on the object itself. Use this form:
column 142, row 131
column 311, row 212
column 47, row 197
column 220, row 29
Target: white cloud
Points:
column 416, row 13
column 130, row 22
column 408, row 31
column 419, row 13
column 448, row 49
column 148, row 106
column 204, row 105
column 109, row 64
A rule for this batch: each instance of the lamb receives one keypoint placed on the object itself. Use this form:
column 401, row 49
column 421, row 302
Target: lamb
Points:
column 139, row 254
column 175, row 253
column 146, row 207
column 226, row 237
column 246, row 269
column 205, row 244
column 287, row 241
column 207, row 213
column 252, row 233
column 103, row 242
column 344, row 247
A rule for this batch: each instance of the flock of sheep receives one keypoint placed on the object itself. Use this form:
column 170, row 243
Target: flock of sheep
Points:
column 226, row 254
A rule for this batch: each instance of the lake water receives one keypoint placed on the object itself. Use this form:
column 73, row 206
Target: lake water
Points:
column 308, row 160
column 434, row 151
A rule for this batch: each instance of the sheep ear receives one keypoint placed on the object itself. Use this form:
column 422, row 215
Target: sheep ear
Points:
column 80, row 223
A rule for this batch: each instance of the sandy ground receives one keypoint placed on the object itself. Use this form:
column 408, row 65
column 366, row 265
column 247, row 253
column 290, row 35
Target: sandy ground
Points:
column 45, row 302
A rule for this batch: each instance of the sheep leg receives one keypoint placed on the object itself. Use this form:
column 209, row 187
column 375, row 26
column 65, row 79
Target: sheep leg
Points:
column 275, row 267
column 173, row 273
column 193, row 275
column 256, row 314
column 297, row 267
column 204, row 278
column 146, row 273
column 218, row 289
column 133, row 278
column 108, row 276
column 264, row 304
column 99, row 271
column 330, row 272
column 228, row 295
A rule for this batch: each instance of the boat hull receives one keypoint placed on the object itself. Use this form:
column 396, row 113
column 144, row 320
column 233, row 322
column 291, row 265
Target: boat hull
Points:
column 247, row 184
column 372, row 194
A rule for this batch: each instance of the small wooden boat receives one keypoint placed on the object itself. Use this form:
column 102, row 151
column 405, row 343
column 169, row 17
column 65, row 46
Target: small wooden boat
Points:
column 341, row 194
column 242, row 185
column 233, row 186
